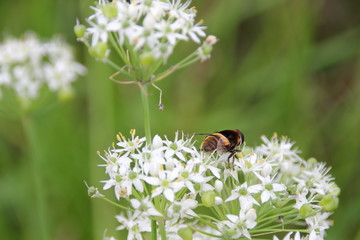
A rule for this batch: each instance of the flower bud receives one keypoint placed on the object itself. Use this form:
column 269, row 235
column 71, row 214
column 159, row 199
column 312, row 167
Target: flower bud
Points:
column 306, row 211
column 329, row 203
column 110, row 11
column 211, row 40
column 79, row 30
column 266, row 170
column 218, row 200
column 185, row 233
column 312, row 162
column 147, row 59
column 335, row 190
column 219, row 185
column 208, row 198
column 93, row 192
column 99, row 50
column 157, row 142
column 206, row 49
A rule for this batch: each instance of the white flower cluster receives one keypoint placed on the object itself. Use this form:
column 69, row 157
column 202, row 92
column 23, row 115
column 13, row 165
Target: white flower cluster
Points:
column 268, row 190
column 27, row 65
column 151, row 28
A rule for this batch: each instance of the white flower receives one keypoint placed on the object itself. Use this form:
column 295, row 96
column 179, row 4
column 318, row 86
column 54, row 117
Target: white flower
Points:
column 268, row 188
column 188, row 177
column 28, row 64
column 182, row 209
column 279, row 150
column 319, row 177
column 163, row 179
column 302, row 198
column 317, row 225
column 129, row 145
column 134, row 225
column 245, row 195
column 178, row 147
column 250, row 163
column 242, row 223
column 167, row 184
column 144, row 207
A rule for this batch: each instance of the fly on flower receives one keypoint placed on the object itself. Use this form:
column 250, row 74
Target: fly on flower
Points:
column 223, row 141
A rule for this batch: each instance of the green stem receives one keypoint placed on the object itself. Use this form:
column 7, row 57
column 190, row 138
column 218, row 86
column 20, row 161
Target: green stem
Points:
column 145, row 103
column 153, row 230
column 117, row 205
column 37, row 176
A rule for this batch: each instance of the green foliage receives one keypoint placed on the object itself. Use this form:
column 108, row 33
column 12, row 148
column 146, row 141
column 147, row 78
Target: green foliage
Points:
column 280, row 66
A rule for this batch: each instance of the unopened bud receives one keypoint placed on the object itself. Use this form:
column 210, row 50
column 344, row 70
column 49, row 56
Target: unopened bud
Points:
column 218, row 201
column 206, row 49
column 93, row 192
column 211, row 40
column 99, row 50
column 185, row 233
column 79, row 30
column 219, row 185
column 329, row 203
column 306, row 211
column 147, row 59
column 208, row 198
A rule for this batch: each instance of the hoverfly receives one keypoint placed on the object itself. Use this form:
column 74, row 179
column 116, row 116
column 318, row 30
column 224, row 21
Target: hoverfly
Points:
column 223, row 141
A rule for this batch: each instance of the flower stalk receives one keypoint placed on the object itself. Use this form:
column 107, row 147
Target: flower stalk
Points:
column 146, row 111
column 37, row 175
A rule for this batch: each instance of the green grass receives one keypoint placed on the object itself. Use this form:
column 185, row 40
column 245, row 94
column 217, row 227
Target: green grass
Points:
column 282, row 66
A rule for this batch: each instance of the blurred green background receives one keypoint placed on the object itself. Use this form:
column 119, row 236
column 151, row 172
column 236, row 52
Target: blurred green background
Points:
column 291, row 67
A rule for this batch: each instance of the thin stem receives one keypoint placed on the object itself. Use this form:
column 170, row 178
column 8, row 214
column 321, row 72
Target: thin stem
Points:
column 117, row 205
column 118, row 68
column 37, row 176
column 162, row 230
column 145, row 103
column 119, row 50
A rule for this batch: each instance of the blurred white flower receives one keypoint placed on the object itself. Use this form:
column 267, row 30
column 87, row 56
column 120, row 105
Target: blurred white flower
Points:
column 148, row 26
column 27, row 65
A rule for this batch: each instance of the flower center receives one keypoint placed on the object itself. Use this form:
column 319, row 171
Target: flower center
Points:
column 132, row 175
column 185, row 174
column 165, row 183
column 113, row 159
column 243, row 191
column 143, row 207
column 269, row 187
column 177, row 208
column 173, row 146
column 118, row 178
